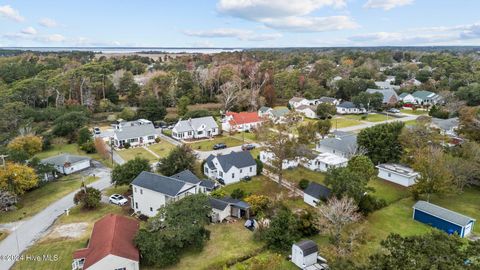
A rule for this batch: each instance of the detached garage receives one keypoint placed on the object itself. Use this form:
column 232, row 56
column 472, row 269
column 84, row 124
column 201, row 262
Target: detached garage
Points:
column 67, row 164
column 443, row 219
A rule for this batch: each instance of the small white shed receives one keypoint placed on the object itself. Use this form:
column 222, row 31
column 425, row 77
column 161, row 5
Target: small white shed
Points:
column 305, row 255
column 397, row 174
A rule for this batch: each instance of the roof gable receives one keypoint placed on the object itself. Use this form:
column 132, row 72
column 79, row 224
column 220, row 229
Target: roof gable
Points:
column 243, row 118
column 236, row 159
column 61, row 160
column 192, row 124
column 318, row 191
column 159, row 183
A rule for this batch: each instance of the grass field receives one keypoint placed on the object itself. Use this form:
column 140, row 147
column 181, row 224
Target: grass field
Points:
column 249, row 136
column 62, row 247
column 116, row 190
column 414, row 112
column 34, row 201
column 410, row 123
column 207, row 145
column 129, row 154
column 372, row 117
column 260, row 185
column 162, row 148
column 299, row 173
column 340, row 122
column 73, row 149
column 227, row 242
column 265, row 260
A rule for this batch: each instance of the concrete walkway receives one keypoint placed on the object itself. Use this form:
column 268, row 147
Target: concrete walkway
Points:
column 32, row 229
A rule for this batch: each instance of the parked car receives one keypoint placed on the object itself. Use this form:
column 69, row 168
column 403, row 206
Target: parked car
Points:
column 219, row 146
column 118, row 199
column 248, row 147
column 393, row 110
column 96, row 131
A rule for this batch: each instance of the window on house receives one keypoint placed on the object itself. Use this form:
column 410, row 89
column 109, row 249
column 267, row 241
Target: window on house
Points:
column 334, row 151
column 251, row 169
column 136, row 205
column 389, row 175
column 233, row 175
column 220, row 173
column 151, row 209
column 141, row 191
column 205, row 170
column 135, row 189
column 241, row 171
column 200, row 132
column 121, row 268
column 151, row 137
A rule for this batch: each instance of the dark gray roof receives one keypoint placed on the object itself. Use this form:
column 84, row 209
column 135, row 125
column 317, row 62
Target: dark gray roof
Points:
column 186, row 176
column 264, row 109
column 343, row 143
column 386, row 93
column 238, row 159
column 60, row 160
column 135, row 129
column 209, row 184
column 347, row 105
column 443, row 213
column 327, row 99
column 307, row 246
column 236, row 202
column 446, row 124
column 159, row 183
column 318, row 191
column 207, row 122
column 209, row 162
column 279, row 112
column 218, row 204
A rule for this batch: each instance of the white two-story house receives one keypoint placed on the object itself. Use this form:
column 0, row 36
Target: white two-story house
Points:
column 136, row 133
column 230, row 168
column 195, row 128
column 151, row 191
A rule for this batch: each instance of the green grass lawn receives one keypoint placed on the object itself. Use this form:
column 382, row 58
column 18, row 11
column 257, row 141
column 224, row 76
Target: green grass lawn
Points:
column 3, row 235
column 388, row 191
column 260, row 185
column 227, row 242
column 34, row 201
column 339, row 122
column 249, row 136
column 61, row 247
column 410, row 123
column 372, row 117
column 414, row 112
column 73, row 149
column 207, row 145
column 256, row 152
column 299, row 173
column 162, row 148
column 265, row 260
column 116, row 190
column 129, row 154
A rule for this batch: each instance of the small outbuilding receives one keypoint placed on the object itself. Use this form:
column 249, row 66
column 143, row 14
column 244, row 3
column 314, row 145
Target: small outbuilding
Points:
column 305, row 256
column 68, row 164
column 443, row 219
column 397, row 174
column 315, row 193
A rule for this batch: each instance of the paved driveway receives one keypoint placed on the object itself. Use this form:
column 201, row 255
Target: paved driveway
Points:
column 32, row 229
column 202, row 155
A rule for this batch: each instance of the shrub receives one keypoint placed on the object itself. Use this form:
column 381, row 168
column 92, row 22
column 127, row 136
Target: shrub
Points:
column 368, row 204
column 259, row 166
column 303, row 184
column 237, row 193
column 218, row 193
column 126, row 145
column 88, row 197
column 157, row 140
column 88, row 147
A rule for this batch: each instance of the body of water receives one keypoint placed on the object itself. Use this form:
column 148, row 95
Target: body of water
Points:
column 107, row 50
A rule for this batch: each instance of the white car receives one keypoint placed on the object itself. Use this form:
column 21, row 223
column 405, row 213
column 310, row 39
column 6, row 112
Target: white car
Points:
column 118, row 199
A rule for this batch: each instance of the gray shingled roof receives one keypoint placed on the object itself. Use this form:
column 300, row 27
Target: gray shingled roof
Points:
column 318, row 191
column 347, row 105
column 209, row 184
column 159, row 183
column 296, row 99
column 195, row 124
column 60, row 160
column 308, row 247
column 186, row 176
column 327, row 99
column 209, row 162
column 443, row 213
column 279, row 112
column 346, row 143
column 238, row 159
column 264, row 109
column 446, row 124
column 236, row 202
column 135, row 131
column 218, row 204
column 386, row 93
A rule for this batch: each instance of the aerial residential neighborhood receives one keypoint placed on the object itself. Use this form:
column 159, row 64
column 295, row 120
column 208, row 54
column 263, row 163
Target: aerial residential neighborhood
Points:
column 235, row 135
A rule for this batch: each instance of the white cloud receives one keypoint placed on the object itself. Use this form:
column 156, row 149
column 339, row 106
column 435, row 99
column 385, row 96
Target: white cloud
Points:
column 240, row 34
column 422, row 36
column 54, row 38
column 47, row 22
column 288, row 15
column 29, row 31
column 387, row 4
column 10, row 13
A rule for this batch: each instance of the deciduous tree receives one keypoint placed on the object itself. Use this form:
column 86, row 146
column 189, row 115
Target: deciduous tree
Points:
column 17, row 178
column 125, row 173
column 179, row 159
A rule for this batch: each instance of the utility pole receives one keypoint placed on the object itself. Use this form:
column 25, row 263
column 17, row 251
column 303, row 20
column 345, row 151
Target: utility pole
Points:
column 3, row 160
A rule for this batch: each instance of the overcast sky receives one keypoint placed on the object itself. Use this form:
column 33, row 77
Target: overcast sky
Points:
column 239, row 23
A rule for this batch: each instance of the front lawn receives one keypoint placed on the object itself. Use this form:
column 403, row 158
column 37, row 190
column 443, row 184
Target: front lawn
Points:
column 414, row 112
column 339, row 122
column 36, row 200
column 266, row 259
column 410, row 122
column 248, row 136
column 227, row 243
column 62, row 247
column 116, row 190
column 207, row 145
column 131, row 153
column 371, row 117
column 72, row 149
column 162, row 148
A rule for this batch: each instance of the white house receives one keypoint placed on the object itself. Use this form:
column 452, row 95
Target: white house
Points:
column 278, row 114
column 343, row 144
column 152, row 191
column 195, row 128
column 330, row 100
column 298, row 101
column 348, row 107
column 264, row 111
column 407, row 98
column 315, row 193
column 308, row 111
column 325, row 161
column 230, row 168
column 267, row 157
column 423, row 97
column 110, row 246
column 68, row 164
column 397, row 174
column 305, row 256
column 136, row 133
column 243, row 121
column 389, row 95
column 223, row 208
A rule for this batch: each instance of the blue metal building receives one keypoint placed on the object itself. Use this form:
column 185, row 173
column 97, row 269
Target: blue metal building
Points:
column 443, row 219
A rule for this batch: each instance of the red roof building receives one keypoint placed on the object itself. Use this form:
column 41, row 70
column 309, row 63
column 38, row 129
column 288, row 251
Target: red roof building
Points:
column 241, row 121
column 111, row 245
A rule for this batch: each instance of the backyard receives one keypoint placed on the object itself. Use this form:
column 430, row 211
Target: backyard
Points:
column 36, row 200
column 207, row 145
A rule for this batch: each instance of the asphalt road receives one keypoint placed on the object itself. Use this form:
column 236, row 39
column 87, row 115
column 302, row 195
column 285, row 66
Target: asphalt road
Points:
column 33, row 228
